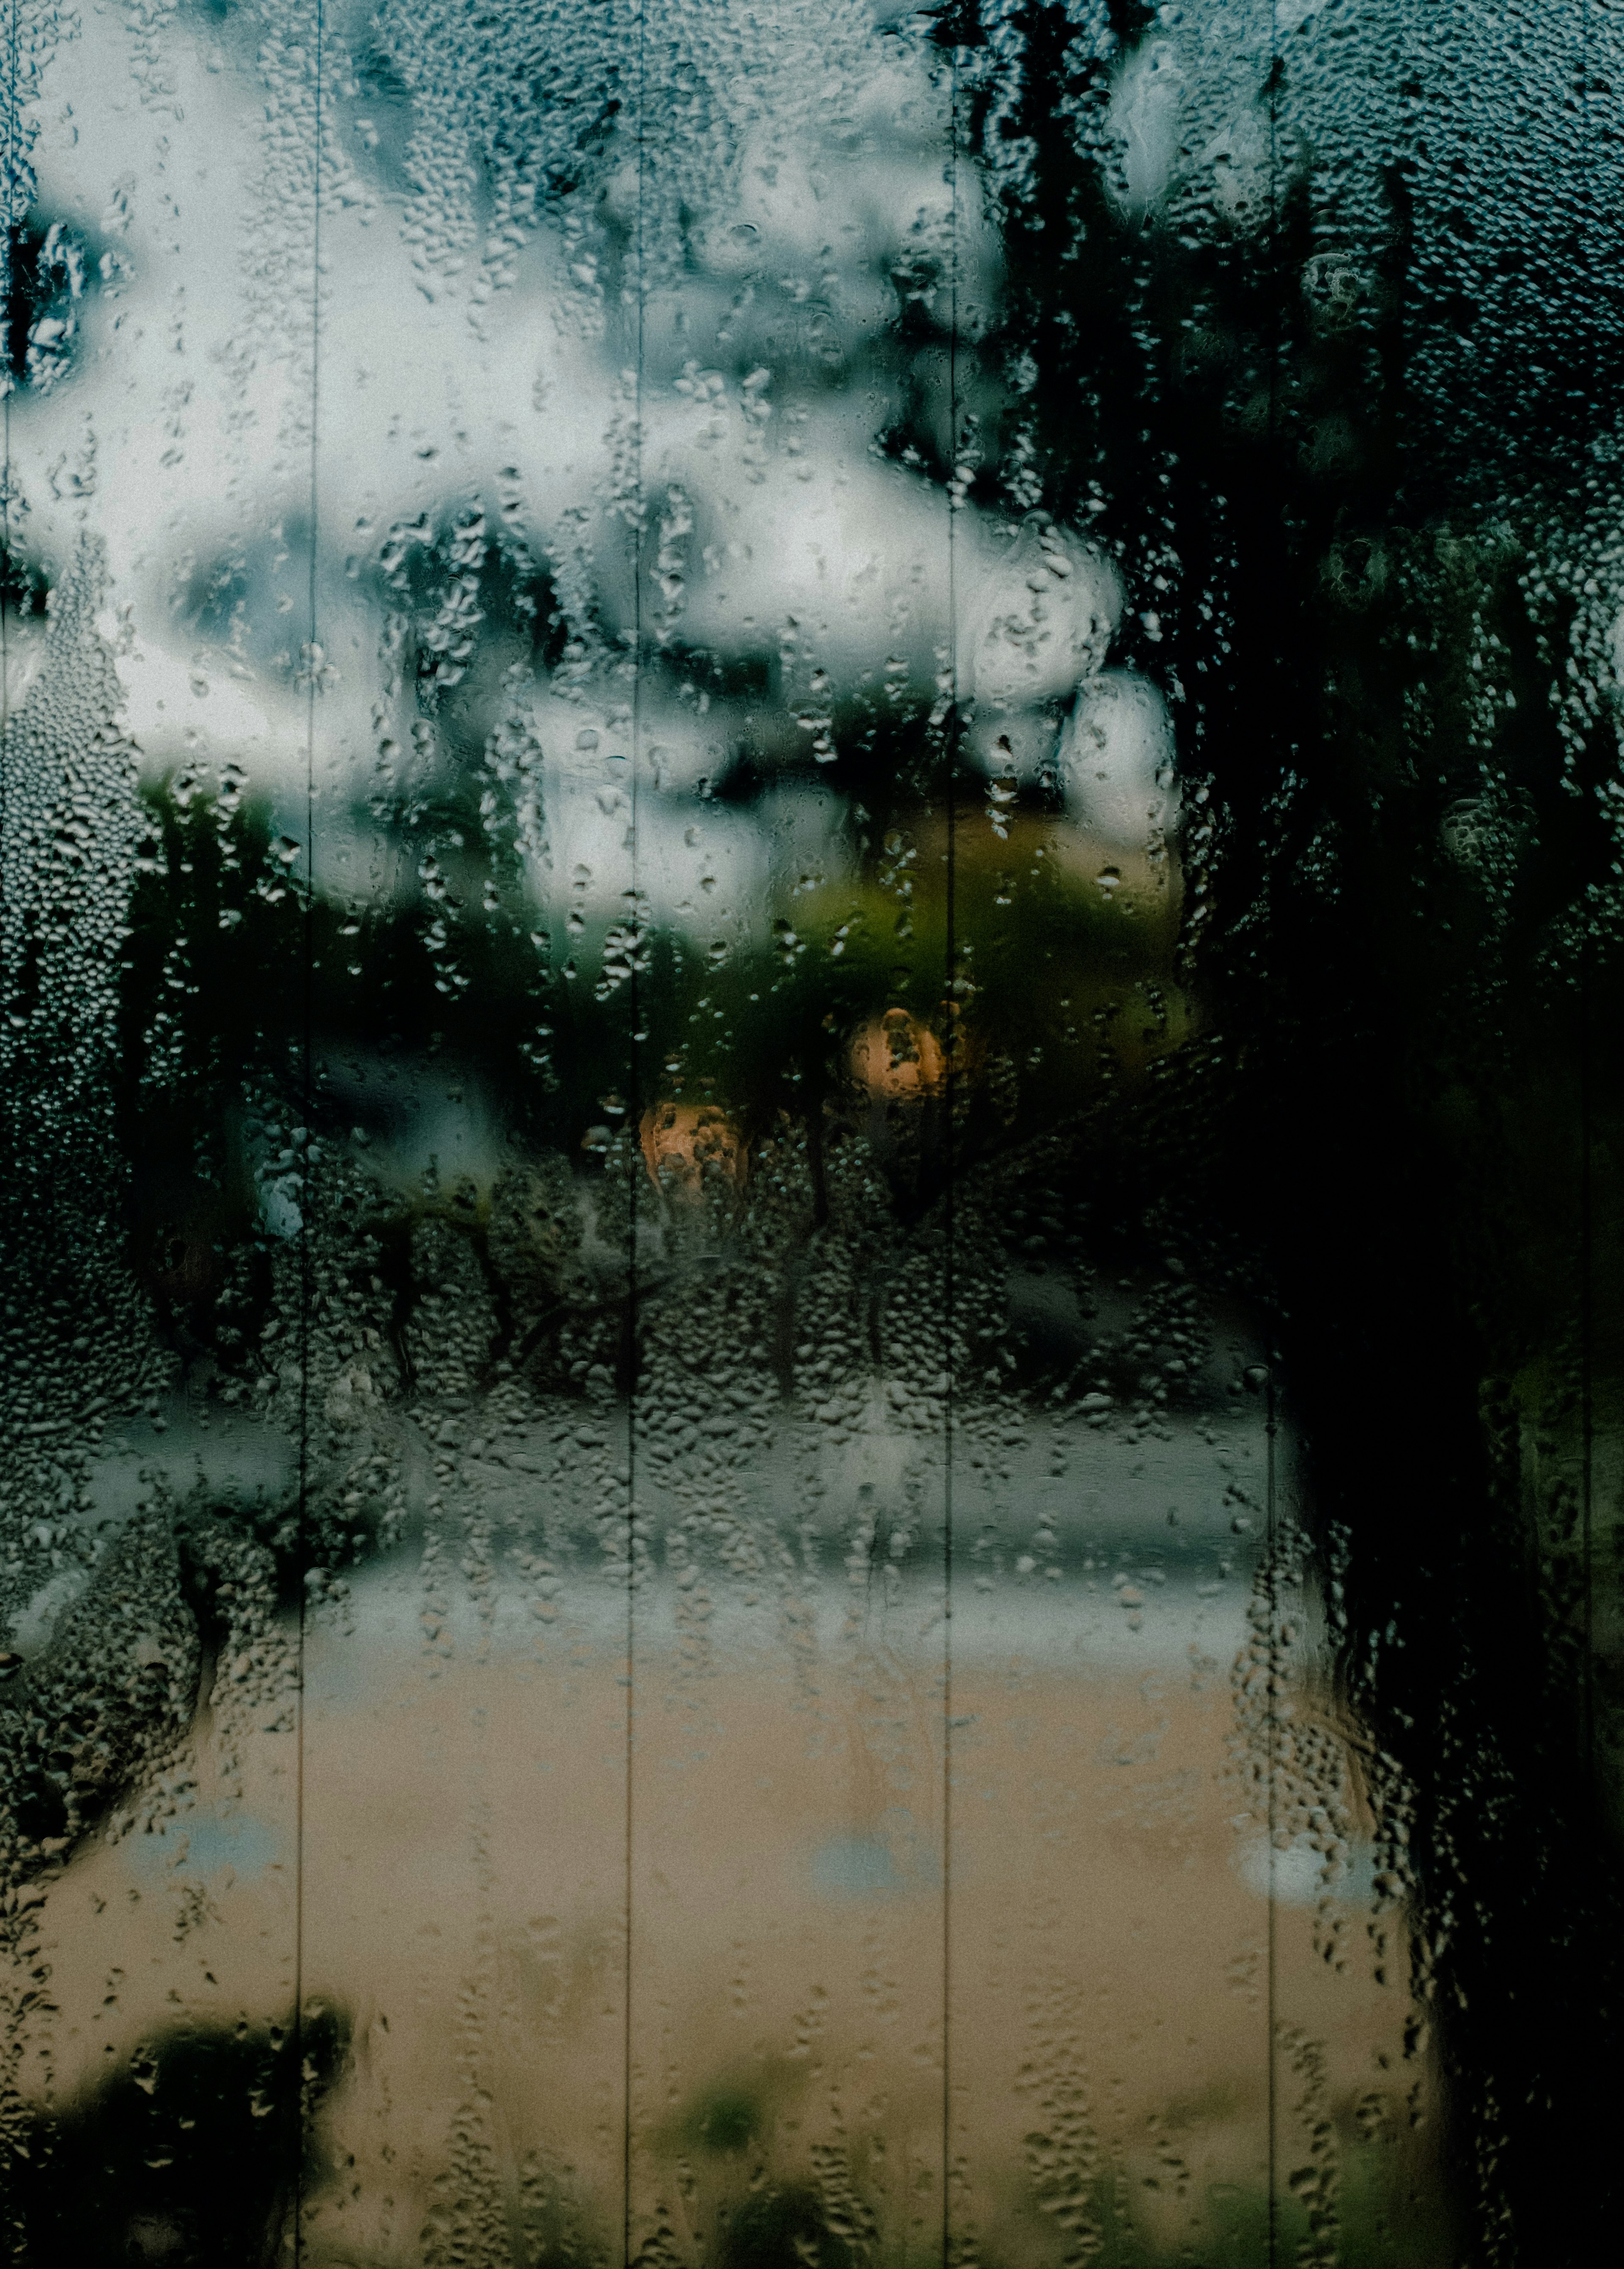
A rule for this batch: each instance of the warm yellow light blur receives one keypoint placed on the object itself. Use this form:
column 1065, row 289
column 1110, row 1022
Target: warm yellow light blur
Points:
column 683, row 1144
column 897, row 1058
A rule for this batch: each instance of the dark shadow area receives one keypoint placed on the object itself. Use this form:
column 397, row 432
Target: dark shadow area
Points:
column 188, row 2155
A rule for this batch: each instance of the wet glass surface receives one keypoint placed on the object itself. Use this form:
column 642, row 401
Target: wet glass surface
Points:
column 810, row 843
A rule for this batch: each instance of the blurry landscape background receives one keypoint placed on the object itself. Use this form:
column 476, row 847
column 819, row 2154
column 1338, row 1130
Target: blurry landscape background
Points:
column 811, row 899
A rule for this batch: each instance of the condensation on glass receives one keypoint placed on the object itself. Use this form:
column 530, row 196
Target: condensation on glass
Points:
column 810, row 842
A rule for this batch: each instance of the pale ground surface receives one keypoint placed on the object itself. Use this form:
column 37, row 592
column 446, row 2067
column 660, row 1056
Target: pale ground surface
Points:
column 465, row 1877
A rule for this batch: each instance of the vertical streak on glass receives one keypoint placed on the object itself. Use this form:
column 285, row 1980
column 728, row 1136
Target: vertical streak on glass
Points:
column 1586, row 1318
column 9, row 164
column 1271, row 1545
column 13, row 121
column 1271, row 1737
column 634, row 1120
column 950, row 1036
column 312, row 673
column 1586, row 1356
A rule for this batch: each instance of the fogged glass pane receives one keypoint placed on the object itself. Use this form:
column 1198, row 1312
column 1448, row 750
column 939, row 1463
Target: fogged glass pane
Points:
column 810, row 882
